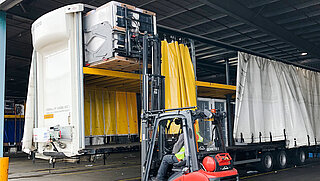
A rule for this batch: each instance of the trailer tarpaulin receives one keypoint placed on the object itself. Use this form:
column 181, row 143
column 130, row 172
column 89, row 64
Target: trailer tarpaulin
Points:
column 30, row 116
column 177, row 67
column 110, row 113
column 275, row 100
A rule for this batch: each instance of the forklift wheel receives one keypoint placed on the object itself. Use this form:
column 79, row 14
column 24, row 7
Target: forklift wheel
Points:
column 281, row 159
column 266, row 163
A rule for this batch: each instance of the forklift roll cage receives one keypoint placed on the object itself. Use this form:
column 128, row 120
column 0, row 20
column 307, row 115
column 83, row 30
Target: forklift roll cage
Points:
column 188, row 119
column 189, row 139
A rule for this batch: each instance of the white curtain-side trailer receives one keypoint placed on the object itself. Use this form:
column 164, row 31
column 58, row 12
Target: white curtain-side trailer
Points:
column 276, row 114
column 54, row 110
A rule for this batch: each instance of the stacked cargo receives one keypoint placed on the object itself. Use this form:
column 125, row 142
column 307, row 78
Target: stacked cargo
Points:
column 111, row 36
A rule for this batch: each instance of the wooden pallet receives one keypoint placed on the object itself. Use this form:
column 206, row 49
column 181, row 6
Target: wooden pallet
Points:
column 119, row 63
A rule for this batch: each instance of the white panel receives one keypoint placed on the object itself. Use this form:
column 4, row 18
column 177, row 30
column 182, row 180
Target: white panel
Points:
column 273, row 97
column 30, row 116
column 57, row 39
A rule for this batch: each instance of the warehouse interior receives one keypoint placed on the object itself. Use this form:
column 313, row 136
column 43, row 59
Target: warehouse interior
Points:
column 281, row 30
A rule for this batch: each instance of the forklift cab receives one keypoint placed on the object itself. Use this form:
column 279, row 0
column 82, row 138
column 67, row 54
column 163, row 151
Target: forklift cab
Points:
column 201, row 158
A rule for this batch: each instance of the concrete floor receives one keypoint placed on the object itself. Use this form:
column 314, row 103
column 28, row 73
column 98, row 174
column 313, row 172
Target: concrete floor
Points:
column 308, row 172
column 118, row 167
column 126, row 166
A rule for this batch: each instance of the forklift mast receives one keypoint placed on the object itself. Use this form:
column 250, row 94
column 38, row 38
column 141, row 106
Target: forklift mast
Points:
column 153, row 87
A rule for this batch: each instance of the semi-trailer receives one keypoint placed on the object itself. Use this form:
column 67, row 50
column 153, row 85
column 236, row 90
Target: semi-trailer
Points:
column 276, row 115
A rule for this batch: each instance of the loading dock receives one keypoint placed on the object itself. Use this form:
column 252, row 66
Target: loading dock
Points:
column 279, row 41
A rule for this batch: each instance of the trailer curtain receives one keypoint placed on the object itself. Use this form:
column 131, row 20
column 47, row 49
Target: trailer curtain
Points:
column 180, row 86
column 30, row 116
column 276, row 99
column 110, row 113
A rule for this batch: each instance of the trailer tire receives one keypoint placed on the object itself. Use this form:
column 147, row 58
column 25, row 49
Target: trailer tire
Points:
column 266, row 163
column 281, row 159
column 300, row 157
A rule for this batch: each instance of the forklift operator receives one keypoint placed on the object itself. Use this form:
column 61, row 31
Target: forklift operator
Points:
column 177, row 156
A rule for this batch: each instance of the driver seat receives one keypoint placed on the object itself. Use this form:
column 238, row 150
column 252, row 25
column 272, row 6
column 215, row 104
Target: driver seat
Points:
column 178, row 167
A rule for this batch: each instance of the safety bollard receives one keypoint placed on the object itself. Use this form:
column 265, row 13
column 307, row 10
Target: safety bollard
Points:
column 4, row 167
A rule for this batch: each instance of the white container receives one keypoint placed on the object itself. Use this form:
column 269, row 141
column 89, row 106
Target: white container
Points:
column 104, row 30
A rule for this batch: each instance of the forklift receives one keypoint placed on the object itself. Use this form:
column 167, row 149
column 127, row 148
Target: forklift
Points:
column 203, row 161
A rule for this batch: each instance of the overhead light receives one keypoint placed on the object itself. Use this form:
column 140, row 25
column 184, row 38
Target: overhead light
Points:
column 304, row 53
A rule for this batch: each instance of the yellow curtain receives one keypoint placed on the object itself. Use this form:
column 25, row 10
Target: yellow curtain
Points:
column 87, row 123
column 189, row 77
column 169, row 69
column 110, row 113
column 109, row 98
column 132, row 112
column 180, row 86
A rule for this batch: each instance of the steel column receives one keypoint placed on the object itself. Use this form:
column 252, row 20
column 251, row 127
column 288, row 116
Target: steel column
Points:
column 2, row 75
column 228, row 101
column 193, row 57
column 227, row 72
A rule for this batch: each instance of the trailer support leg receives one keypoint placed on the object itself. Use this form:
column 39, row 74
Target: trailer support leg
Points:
column 2, row 75
column 33, row 157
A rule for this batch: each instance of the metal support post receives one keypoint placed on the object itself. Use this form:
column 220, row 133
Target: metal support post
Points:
column 228, row 101
column 193, row 57
column 227, row 72
column 229, row 121
column 194, row 62
column 2, row 75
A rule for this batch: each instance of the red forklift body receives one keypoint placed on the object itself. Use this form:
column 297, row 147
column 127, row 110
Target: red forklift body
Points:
column 202, row 175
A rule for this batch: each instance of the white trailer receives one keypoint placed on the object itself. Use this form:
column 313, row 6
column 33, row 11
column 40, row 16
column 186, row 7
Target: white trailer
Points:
column 55, row 113
column 277, row 113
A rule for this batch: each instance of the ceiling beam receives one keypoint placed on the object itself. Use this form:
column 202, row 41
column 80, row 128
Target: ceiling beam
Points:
column 202, row 21
column 180, row 11
column 210, row 41
column 236, row 10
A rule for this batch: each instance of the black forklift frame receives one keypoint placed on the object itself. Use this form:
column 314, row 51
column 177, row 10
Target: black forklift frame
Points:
column 189, row 139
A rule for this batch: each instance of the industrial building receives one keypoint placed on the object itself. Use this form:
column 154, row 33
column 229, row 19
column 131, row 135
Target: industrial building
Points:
column 159, row 90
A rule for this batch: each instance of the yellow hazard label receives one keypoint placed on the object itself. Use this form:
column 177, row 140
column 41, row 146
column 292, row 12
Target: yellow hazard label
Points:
column 48, row 116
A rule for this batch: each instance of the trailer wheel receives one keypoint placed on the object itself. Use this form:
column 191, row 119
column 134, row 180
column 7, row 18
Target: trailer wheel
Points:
column 281, row 160
column 300, row 157
column 266, row 163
